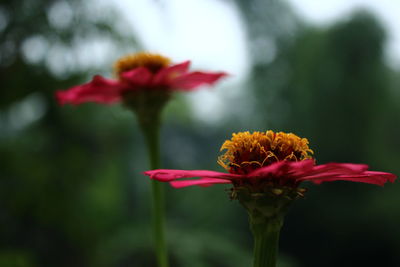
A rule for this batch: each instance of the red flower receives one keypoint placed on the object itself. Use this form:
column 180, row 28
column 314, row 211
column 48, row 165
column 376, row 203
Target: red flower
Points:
column 266, row 170
column 138, row 72
column 283, row 172
column 271, row 162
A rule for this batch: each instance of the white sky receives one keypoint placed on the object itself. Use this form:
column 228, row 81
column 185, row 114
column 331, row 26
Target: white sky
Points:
column 211, row 34
column 208, row 32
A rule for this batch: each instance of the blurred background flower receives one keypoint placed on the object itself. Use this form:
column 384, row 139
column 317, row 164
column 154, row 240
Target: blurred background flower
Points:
column 70, row 178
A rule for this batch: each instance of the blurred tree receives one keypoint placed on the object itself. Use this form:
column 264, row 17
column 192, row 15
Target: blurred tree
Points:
column 332, row 86
column 271, row 27
column 337, row 84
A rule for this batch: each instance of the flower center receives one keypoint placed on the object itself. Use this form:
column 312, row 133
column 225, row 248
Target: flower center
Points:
column 153, row 62
column 247, row 151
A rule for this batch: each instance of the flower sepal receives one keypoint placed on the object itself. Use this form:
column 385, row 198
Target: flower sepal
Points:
column 272, row 203
column 147, row 105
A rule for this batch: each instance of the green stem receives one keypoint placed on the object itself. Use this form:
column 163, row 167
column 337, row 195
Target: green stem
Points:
column 266, row 241
column 151, row 131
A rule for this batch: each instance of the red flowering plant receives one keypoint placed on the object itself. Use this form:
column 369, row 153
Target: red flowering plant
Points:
column 266, row 170
column 144, row 84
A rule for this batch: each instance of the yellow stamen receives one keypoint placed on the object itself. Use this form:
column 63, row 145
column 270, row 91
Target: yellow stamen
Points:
column 153, row 62
column 248, row 151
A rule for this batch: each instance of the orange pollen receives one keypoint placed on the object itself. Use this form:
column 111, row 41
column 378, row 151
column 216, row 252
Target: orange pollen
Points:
column 248, row 151
column 153, row 62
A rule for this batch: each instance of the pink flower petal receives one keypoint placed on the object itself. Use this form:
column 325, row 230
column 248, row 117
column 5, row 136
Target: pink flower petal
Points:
column 346, row 172
column 165, row 175
column 99, row 90
column 385, row 175
column 138, row 77
column 288, row 172
column 164, row 76
column 192, row 80
column 287, row 169
column 337, row 168
column 200, row 182
column 375, row 179
column 333, row 170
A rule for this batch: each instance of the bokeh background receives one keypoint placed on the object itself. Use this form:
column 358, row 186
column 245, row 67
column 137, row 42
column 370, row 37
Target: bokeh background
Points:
column 71, row 188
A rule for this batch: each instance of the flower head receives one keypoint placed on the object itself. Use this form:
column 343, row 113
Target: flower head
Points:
column 152, row 62
column 269, row 162
column 246, row 151
column 139, row 73
column 266, row 169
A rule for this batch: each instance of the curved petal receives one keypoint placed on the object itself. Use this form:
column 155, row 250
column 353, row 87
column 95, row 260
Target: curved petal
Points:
column 99, row 90
column 165, row 175
column 368, row 177
column 333, row 170
column 137, row 77
column 287, row 169
column 346, row 172
column 200, row 182
column 165, row 75
column 337, row 168
column 192, row 80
